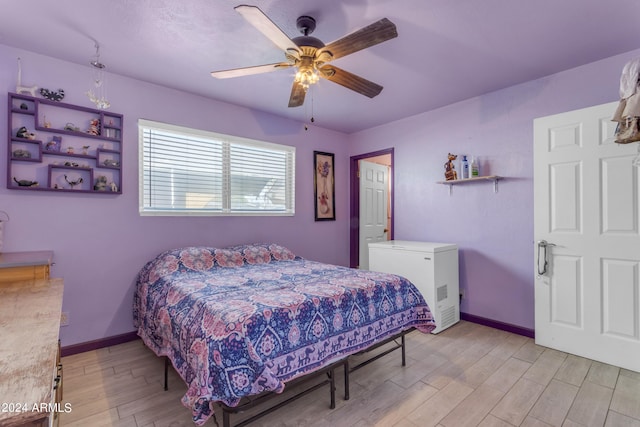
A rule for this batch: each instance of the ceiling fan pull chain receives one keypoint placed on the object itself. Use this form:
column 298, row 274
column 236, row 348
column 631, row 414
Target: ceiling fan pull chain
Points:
column 312, row 119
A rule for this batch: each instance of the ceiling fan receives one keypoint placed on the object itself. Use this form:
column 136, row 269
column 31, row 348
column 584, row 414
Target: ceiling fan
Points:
column 311, row 56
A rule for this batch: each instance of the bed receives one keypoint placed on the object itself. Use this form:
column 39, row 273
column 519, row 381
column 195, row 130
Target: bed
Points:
column 244, row 320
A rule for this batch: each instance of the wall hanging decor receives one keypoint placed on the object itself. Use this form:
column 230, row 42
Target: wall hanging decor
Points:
column 324, row 186
column 98, row 93
column 60, row 156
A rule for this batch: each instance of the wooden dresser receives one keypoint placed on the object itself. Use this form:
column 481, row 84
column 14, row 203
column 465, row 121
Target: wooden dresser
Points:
column 15, row 266
column 30, row 368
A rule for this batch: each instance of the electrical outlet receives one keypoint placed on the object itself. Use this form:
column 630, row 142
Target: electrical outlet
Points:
column 64, row 318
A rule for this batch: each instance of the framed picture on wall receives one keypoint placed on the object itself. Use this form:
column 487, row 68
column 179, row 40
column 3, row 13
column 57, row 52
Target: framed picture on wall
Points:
column 324, row 186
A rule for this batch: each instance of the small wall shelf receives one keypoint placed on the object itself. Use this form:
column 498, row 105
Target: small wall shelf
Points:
column 56, row 155
column 493, row 178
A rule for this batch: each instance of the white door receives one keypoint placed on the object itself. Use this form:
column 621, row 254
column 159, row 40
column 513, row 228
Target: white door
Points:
column 374, row 196
column 586, row 204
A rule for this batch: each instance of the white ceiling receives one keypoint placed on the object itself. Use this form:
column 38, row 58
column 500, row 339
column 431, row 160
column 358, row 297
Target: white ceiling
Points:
column 446, row 50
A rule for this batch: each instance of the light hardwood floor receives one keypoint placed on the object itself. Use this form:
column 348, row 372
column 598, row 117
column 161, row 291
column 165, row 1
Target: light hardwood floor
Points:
column 468, row 375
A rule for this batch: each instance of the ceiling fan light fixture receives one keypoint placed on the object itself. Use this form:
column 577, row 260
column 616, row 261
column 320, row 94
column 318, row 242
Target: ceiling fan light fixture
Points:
column 310, row 55
column 306, row 76
column 307, row 73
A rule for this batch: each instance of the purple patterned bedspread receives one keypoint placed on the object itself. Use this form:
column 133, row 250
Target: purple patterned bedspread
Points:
column 243, row 320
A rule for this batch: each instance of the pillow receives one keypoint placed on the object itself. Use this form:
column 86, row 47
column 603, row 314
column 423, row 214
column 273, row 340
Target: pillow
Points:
column 228, row 257
column 203, row 258
column 262, row 253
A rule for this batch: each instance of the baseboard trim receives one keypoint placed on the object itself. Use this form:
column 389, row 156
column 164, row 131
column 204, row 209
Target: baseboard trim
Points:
column 131, row 336
column 498, row 325
column 100, row 343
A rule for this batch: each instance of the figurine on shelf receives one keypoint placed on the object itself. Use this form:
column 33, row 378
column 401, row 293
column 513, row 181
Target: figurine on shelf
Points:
column 52, row 94
column 450, row 173
column 94, row 127
column 69, row 150
column 24, row 133
column 71, row 127
column 46, row 123
column 85, row 149
column 25, row 182
column 114, row 187
column 21, row 154
column 101, row 183
column 24, row 89
column 73, row 183
column 111, row 163
column 54, row 144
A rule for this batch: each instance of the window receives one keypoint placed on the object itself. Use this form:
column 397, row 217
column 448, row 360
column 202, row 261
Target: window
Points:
column 193, row 172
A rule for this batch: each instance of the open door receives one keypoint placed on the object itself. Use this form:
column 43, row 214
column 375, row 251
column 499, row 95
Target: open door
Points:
column 382, row 157
column 374, row 201
column 587, row 249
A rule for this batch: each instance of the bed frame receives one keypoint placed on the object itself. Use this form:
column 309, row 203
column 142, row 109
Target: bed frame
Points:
column 253, row 401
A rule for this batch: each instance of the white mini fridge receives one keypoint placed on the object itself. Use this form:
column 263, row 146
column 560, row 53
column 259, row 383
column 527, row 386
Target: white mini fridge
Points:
column 431, row 267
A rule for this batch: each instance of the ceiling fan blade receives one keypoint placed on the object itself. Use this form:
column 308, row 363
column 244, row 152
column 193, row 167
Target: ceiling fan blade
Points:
column 350, row 81
column 363, row 38
column 247, row 71
column 298, row 93
column 266, row 26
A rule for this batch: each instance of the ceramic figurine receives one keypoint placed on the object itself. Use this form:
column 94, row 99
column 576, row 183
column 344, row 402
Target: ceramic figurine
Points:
column 54, row 144
column 71, row 127
column 73, row 183
column 24, row 89
column 52, row 94
column 24, row 133
column 101, row 183
column 25, row 182
column 94, row 127
column 450, row 173
column 21, row 154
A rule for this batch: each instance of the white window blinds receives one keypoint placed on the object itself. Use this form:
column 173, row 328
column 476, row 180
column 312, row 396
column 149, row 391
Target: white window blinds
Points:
column 192, row 172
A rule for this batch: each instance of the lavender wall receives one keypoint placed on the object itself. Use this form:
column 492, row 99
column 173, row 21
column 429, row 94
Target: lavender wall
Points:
column 494, row 231
column 100, row 241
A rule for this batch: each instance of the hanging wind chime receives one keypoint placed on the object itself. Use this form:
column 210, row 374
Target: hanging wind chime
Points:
column 97, row 94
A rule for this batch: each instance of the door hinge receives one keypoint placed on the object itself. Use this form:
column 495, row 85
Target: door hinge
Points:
column 358, row 174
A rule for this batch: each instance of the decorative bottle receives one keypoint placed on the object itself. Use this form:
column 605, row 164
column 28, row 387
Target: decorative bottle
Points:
column 464, row 166
column 474, row 172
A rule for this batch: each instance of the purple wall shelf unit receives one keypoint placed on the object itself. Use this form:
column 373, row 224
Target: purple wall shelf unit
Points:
column 68, row 148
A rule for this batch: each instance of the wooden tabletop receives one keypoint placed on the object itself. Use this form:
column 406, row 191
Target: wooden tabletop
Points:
column 29, row 330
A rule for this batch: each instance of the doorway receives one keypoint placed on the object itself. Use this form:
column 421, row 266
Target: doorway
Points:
column 384, row 157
